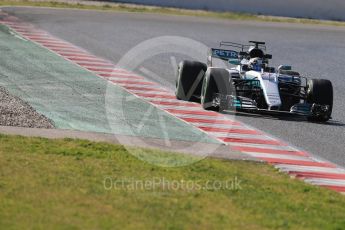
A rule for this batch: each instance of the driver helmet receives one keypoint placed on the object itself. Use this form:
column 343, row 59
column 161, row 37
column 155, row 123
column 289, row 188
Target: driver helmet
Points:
column 255, row 64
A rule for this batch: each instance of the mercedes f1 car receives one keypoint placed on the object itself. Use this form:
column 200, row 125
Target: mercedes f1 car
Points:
column 244, row 81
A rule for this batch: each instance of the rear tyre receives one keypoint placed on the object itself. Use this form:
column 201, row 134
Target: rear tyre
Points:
column 216, row 81
column 189, row 80
column 320, row 91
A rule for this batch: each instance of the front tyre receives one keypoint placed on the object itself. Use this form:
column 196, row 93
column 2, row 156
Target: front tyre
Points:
column 216, row 81
column 189, row 80
column 320, row 91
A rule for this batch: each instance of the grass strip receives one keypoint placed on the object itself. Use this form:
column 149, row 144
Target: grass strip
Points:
column 78, row 184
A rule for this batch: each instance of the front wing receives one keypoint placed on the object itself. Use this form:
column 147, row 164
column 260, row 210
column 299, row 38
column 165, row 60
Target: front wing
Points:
column 243, row 104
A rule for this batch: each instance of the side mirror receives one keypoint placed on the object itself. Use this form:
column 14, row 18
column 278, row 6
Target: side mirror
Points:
column 284, row 67
column 234, row 61
column 268, row 56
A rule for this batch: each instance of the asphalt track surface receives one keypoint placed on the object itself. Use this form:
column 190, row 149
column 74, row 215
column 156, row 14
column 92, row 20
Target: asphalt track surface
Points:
column 317, row 51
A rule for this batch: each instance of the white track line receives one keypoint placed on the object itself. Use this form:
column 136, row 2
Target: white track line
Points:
column 279, row 156
column 326, row 182
column 225, row 126
column 239, row 135
column 273, row 147
column 297, row 168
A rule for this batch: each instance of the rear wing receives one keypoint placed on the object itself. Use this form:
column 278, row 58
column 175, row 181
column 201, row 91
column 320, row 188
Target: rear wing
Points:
column 259, row 45
column 240, row 52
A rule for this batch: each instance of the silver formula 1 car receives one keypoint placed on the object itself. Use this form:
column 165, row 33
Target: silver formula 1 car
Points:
column 245, row 82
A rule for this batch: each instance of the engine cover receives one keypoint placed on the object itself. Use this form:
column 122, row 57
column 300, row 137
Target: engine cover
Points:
column 269, row 85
